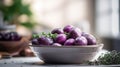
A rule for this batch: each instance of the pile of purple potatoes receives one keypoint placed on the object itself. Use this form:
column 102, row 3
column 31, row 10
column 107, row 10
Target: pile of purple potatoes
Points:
column 10, row 36
column 68, row 36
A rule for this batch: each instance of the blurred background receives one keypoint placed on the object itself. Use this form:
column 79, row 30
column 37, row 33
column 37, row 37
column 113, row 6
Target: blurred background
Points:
column 98, row 17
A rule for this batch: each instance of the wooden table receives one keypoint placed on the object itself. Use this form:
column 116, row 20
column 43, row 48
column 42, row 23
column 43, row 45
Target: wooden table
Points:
column 36, row 62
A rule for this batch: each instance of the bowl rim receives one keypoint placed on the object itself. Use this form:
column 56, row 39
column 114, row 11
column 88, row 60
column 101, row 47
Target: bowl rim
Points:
column 86, row 46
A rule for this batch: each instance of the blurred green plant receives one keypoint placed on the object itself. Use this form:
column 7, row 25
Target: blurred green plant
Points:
column 13, row 12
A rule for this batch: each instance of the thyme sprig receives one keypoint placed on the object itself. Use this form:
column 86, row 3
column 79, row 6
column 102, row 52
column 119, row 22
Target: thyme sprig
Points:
column 109, row 58
column 50, row 35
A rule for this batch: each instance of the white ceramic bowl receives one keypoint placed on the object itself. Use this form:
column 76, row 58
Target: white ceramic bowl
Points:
column 66, row 54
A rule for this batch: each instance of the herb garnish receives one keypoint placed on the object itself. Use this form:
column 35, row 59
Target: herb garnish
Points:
column 109, row 58
column 50, row 35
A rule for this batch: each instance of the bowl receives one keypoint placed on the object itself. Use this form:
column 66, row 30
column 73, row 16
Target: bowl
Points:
column 13, row 47
column 66, row 54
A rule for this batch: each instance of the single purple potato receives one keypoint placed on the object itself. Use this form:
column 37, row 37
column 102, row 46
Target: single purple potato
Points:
column 69, row 42
column 90, row 38
column 76, row 32
column 57, row 31
column 45, row 41
column 81, row 41
column 68, row 28
column 60, row 38
column 35, row 41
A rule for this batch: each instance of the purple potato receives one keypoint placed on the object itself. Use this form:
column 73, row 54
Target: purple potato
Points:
column 60, row 38
column 76, row 32
column 57, row 31
column 10, row 36
column 84, row 34
column 13, row 33
column 35, row 42
column 90, row 38
column 82, row 41
column 1, row 36
column 6, row 37
column 68, row 28
column 45, row 41
column 14, row 36
column 56, row 44
column 17, row 38
column 69, row 42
